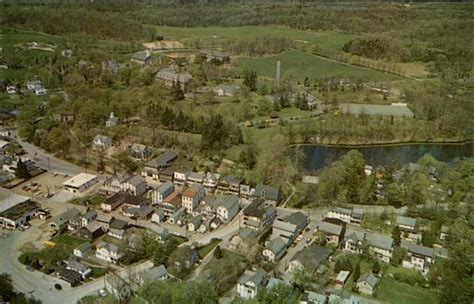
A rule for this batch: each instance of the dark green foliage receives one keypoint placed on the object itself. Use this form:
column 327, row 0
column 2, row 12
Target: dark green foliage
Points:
column 376, row 267
column 8, row 295
column 396, row 236
column 174, row 292
column 218, row 252
column 214, row 134
column 21, row 170
column 397, row 256
column 356, row 274
column 280, row 294
column 343, row 264
column 250, row 80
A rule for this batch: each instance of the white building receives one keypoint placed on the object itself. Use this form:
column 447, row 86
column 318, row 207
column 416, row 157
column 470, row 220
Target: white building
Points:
column 82, row 250
column 192, row 197
column 108, row 252
column 117, row 286
column 136, row 185
column 102, row 142
column 380, row 246
column 163, row 191
column 227, row 207
column 250, row 283
column 17, row 210
column 80, row 183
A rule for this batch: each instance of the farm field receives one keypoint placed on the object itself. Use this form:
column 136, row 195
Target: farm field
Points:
column 298, row 65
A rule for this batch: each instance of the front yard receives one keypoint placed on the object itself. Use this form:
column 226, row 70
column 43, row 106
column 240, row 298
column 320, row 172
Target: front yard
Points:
column 392, row 291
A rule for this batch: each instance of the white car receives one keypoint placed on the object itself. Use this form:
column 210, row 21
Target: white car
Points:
column 103, row 293
column 299, row 238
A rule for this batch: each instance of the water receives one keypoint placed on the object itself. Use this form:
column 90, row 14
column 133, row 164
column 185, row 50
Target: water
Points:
column 317, row 157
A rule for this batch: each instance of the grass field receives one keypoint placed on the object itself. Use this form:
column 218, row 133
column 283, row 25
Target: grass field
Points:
column 391, row 291
column 204, row 250
column 298, row 65
column 215, row 36
column 11, row 37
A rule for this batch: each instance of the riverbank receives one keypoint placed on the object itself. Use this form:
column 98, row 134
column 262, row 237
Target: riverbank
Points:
column 384, row 144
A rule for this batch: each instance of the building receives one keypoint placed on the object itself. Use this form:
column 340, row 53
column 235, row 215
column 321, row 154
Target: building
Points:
column 82, row 269
column 117, row 286
column 82, row 250
column 195, row 178
column 195, row 223
column 229, row 184
column 275, row 249
column 211, row 180
column 228, row 90
column 311, row 297
column 171, row 77
column 158, row 217
column 285, row 230
column 215, row 56
column 367, row 283
column 142, row 58
column 135, row 185
column 270, row 194
column 163, row 191
column 418, row 257
column 407, row 227
column 394, row 110
column 111, row 185
column 298, row 219
column 186, row 257
column 332, row 232
column 381, row 246
column 70, row 219
column 92, row 231
column 17, row 210
column 102, row 142
column 353, row 241
column 154, row 166
column 257, row 216
column 117, row 228
column 140, row 152
column 227, row 207
column 108, row 252
column 354, row 215
column 191, row 198
column 111, row 121
column 80, row 183
column 250, row 283
column 113, row 202
column 157, row 273
column 88, row 217
column 171, row 203
column 70, row 276
column 309, row 259
column 341, row 278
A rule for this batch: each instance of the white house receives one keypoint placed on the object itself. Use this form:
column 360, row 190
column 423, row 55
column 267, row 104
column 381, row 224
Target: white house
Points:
column 88, row 217
column 353, row 241
column 163, row 191
column 366, row 283
column 108, row 252
column 381, row 246
column 211, row 180
column 227, row 207
column 180, row 177
column 135, row 185
column 11, row 89
column 82, row 269
column 80, row 183
column 250, row 283
column 111, row 121
column 102, row 142
column 82, row 250
column 192, row 197
column 117, row 286
column 275, row 249
column 418, row 257
column 158, row 217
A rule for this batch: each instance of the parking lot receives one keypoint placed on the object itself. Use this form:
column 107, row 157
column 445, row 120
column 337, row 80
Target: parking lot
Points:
column 45, row 185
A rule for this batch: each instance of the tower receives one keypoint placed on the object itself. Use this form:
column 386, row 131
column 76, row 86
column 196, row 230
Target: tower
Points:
column 278, row 73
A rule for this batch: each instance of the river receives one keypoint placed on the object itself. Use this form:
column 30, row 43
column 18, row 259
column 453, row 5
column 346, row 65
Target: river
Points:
column 319, row 156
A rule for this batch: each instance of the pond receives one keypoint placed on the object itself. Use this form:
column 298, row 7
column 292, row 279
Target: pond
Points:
column 318, row 156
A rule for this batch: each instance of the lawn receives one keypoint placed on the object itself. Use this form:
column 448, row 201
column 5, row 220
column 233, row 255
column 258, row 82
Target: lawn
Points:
column 204, row 250
column 298, row 65
column 68, row 241
column 395, row 292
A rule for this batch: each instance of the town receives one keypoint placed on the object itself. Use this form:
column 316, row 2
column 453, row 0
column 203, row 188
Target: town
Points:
column 151, row 156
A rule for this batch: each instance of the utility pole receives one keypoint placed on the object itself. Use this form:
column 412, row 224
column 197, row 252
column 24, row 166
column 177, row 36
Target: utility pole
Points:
column 49, row 166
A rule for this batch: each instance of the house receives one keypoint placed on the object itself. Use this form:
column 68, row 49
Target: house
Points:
column 353, row 241
column 111, row 121
column 211, row 180
column 309, row 259
column 357, row 215
column 82, row 269
column 227, row 207
column 229, row 184
column 41, row 92
column 381, row 246
column 132, row 201
column 163, row 191
column 177, row 217
column 418, row 257
column 257, row 216
column 117, row 228
column 311, row 297
column 215, row 56
column 245, row 191
column 407, row 227
column 33, row 84
column 143, row 212
column 117, row 286
column 105, row 220
column 274, row 282
column 341, row 278
column 195, row 223
column 366, row 283
column 108, row 252
column 68, row 219
column 135, row 185
column 158, row 217
column 70, row 276
column 185, row 257
column 153, row 167
column 180, row 177
column 140, row 152
column 332, row 232
column 13, row 165
column 195, row 178
column 80, row 183
column 206, row 225
column 162, row 234
column 88, row 217
column 270, row 194
column 191, row 198
column 141, row 58
column 82, row 250
column 111, row 185
column 4, row 132
column 275, row 249
column 284, row 230
column 110, row 66
column 298, row 219
column 171, row 77
column 444, row 233
column 16, row 210
column 113, row 202
column 92, row 231
column 242, row 239
column 171, row 203
column 227, row 90
column 157, row 273
column 250, row 283
column 354, row 215
column 102, row 142
column 166, row 175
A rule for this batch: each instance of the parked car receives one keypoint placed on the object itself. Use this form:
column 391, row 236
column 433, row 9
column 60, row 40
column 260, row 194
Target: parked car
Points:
column 299, row 238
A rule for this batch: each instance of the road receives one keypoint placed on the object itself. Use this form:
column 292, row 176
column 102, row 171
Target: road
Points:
column 47, row 161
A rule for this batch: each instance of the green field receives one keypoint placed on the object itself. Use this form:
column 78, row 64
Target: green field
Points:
column 214, row 36
column 395, row 292
column 298, row 65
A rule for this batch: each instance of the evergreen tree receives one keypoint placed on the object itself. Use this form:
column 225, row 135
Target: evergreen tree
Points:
column 218, row 252
column 396, row 236
column 356, row 272
column 21, row 170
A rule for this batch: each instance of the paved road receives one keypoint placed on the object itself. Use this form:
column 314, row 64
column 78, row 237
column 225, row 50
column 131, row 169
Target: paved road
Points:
column 47, row 161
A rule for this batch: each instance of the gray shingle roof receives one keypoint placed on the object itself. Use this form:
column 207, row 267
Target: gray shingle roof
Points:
column 256, row 277
column 84, row 247
column 371, row 109
column 277, row 245
column 379, row 241
column 418, row 249
column 406, row 221
column 268, row 192
column 330, row 228
column 356, row 236
column 297, row 218
column 369, row 278
column 136, row 180
column 155, row 273
column 163, row 160
column 142, row 56
column 165, row 187
column 311, row 257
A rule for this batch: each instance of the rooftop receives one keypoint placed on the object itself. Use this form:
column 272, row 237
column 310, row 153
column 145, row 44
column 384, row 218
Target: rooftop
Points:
column 154, row 273
column 330, row 228
column 369, row 278
column 379, row 240
column 311, row 257
column 163, row 160
column 297, row 218
column 267, row 192
column 12, row 201
column 406, row 221
column 79, row 180
column 371, row 109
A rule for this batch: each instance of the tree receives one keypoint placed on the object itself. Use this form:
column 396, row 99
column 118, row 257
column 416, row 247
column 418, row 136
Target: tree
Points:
column 394, row 195
column 396, row 236
column 250, row 80
column 280, row 294
column 21, row 170
column 398, row 255
column 356, row 274
column 343, row 264
column 376, row 267
column 218, row 252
